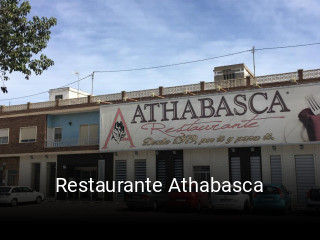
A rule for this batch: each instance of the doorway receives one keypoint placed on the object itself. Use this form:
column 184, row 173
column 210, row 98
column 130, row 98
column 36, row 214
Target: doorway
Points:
column 245, row 164
column 84, row 174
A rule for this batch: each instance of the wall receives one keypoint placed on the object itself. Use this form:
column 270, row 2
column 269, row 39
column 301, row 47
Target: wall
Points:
column 77, row 119
column 25, row 170
column 216, row 158
column 67, row 93
column 287, row 154
column 14, row 125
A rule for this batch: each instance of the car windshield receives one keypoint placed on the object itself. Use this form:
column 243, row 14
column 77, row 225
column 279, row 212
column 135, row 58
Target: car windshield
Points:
column 4, row 189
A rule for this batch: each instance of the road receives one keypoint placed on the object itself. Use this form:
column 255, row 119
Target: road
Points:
column 94, row 212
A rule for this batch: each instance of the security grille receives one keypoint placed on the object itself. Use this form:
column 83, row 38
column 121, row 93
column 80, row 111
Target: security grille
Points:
column 161, row 172
column 235, row 169
column 140, row 170
column 255, row 165
column 276, row 171
column 304, row 176
column 121, row 175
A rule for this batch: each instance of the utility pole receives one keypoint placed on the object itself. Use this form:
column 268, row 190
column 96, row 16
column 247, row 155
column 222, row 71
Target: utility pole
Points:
column 77, row 73
column 254, row 64
column 92, row 78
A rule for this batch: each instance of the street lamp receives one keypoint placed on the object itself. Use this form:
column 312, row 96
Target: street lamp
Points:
column 77, row 73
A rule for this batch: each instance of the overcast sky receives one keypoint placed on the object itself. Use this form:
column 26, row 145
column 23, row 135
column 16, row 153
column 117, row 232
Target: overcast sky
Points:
column 122, row 34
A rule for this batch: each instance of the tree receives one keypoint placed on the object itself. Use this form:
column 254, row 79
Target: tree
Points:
column 22, row 39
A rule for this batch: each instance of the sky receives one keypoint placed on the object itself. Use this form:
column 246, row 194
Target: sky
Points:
column 103, row 35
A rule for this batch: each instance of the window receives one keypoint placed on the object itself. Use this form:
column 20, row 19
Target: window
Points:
column 56, row 97
column 228, row 76
column 28, row 134
column 57, row 134
column 89, row 134
column 4, row 136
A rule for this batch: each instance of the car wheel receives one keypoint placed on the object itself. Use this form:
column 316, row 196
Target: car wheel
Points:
column 155, row 206
column 38, row 200
column 14, row 202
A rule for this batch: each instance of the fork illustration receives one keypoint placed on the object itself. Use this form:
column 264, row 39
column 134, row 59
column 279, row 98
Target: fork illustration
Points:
column 314, row 104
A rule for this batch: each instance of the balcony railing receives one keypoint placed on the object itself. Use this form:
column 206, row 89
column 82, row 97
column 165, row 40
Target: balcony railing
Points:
column 161, row 91
column 71, row 142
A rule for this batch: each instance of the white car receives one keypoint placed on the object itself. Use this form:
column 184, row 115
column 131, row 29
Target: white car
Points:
column 231, row 201
column 18, row 194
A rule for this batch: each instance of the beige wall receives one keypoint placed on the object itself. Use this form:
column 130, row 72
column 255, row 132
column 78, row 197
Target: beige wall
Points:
column 288, row 154
column 216, row 158
column 25, row 170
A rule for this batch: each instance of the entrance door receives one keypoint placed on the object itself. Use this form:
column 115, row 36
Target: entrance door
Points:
column 84, row 174
column 51, row 179
column 245, row 164
column 1, row 176
column 169, row 165
column 35, row 174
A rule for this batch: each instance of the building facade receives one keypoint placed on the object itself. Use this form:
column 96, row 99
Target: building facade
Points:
column 237, row 128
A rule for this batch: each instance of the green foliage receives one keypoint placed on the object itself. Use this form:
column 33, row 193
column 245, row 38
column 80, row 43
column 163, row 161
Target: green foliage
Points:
column 21, row 40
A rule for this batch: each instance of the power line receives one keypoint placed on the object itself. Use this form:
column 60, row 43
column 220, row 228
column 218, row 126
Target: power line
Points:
column 36, row 94
column 171, row 65
column 293, row 46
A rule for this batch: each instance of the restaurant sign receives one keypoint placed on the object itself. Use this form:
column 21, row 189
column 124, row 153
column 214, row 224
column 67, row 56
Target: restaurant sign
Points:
column 249, row 118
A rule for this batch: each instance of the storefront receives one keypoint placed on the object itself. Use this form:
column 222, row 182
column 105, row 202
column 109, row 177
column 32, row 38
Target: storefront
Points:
column 267, row 134
column 82, row 167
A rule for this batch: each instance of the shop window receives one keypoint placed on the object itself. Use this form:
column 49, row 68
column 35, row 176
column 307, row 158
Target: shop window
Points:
column 28, row 134
column 4, row 136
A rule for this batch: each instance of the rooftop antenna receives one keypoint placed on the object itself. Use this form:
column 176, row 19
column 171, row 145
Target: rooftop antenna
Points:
column 77, row 73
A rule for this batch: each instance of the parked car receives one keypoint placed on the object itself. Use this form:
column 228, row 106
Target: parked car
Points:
column 313, row 198
column 19, row 194
column 231, row 201
column 151, row 200
column 273, row 197
column 193, row 199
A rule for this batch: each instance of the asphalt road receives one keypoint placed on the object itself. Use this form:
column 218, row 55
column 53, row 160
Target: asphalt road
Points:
column 95, row 212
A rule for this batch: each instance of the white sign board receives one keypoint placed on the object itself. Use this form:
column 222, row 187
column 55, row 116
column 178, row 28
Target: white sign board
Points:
column 248, row 118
